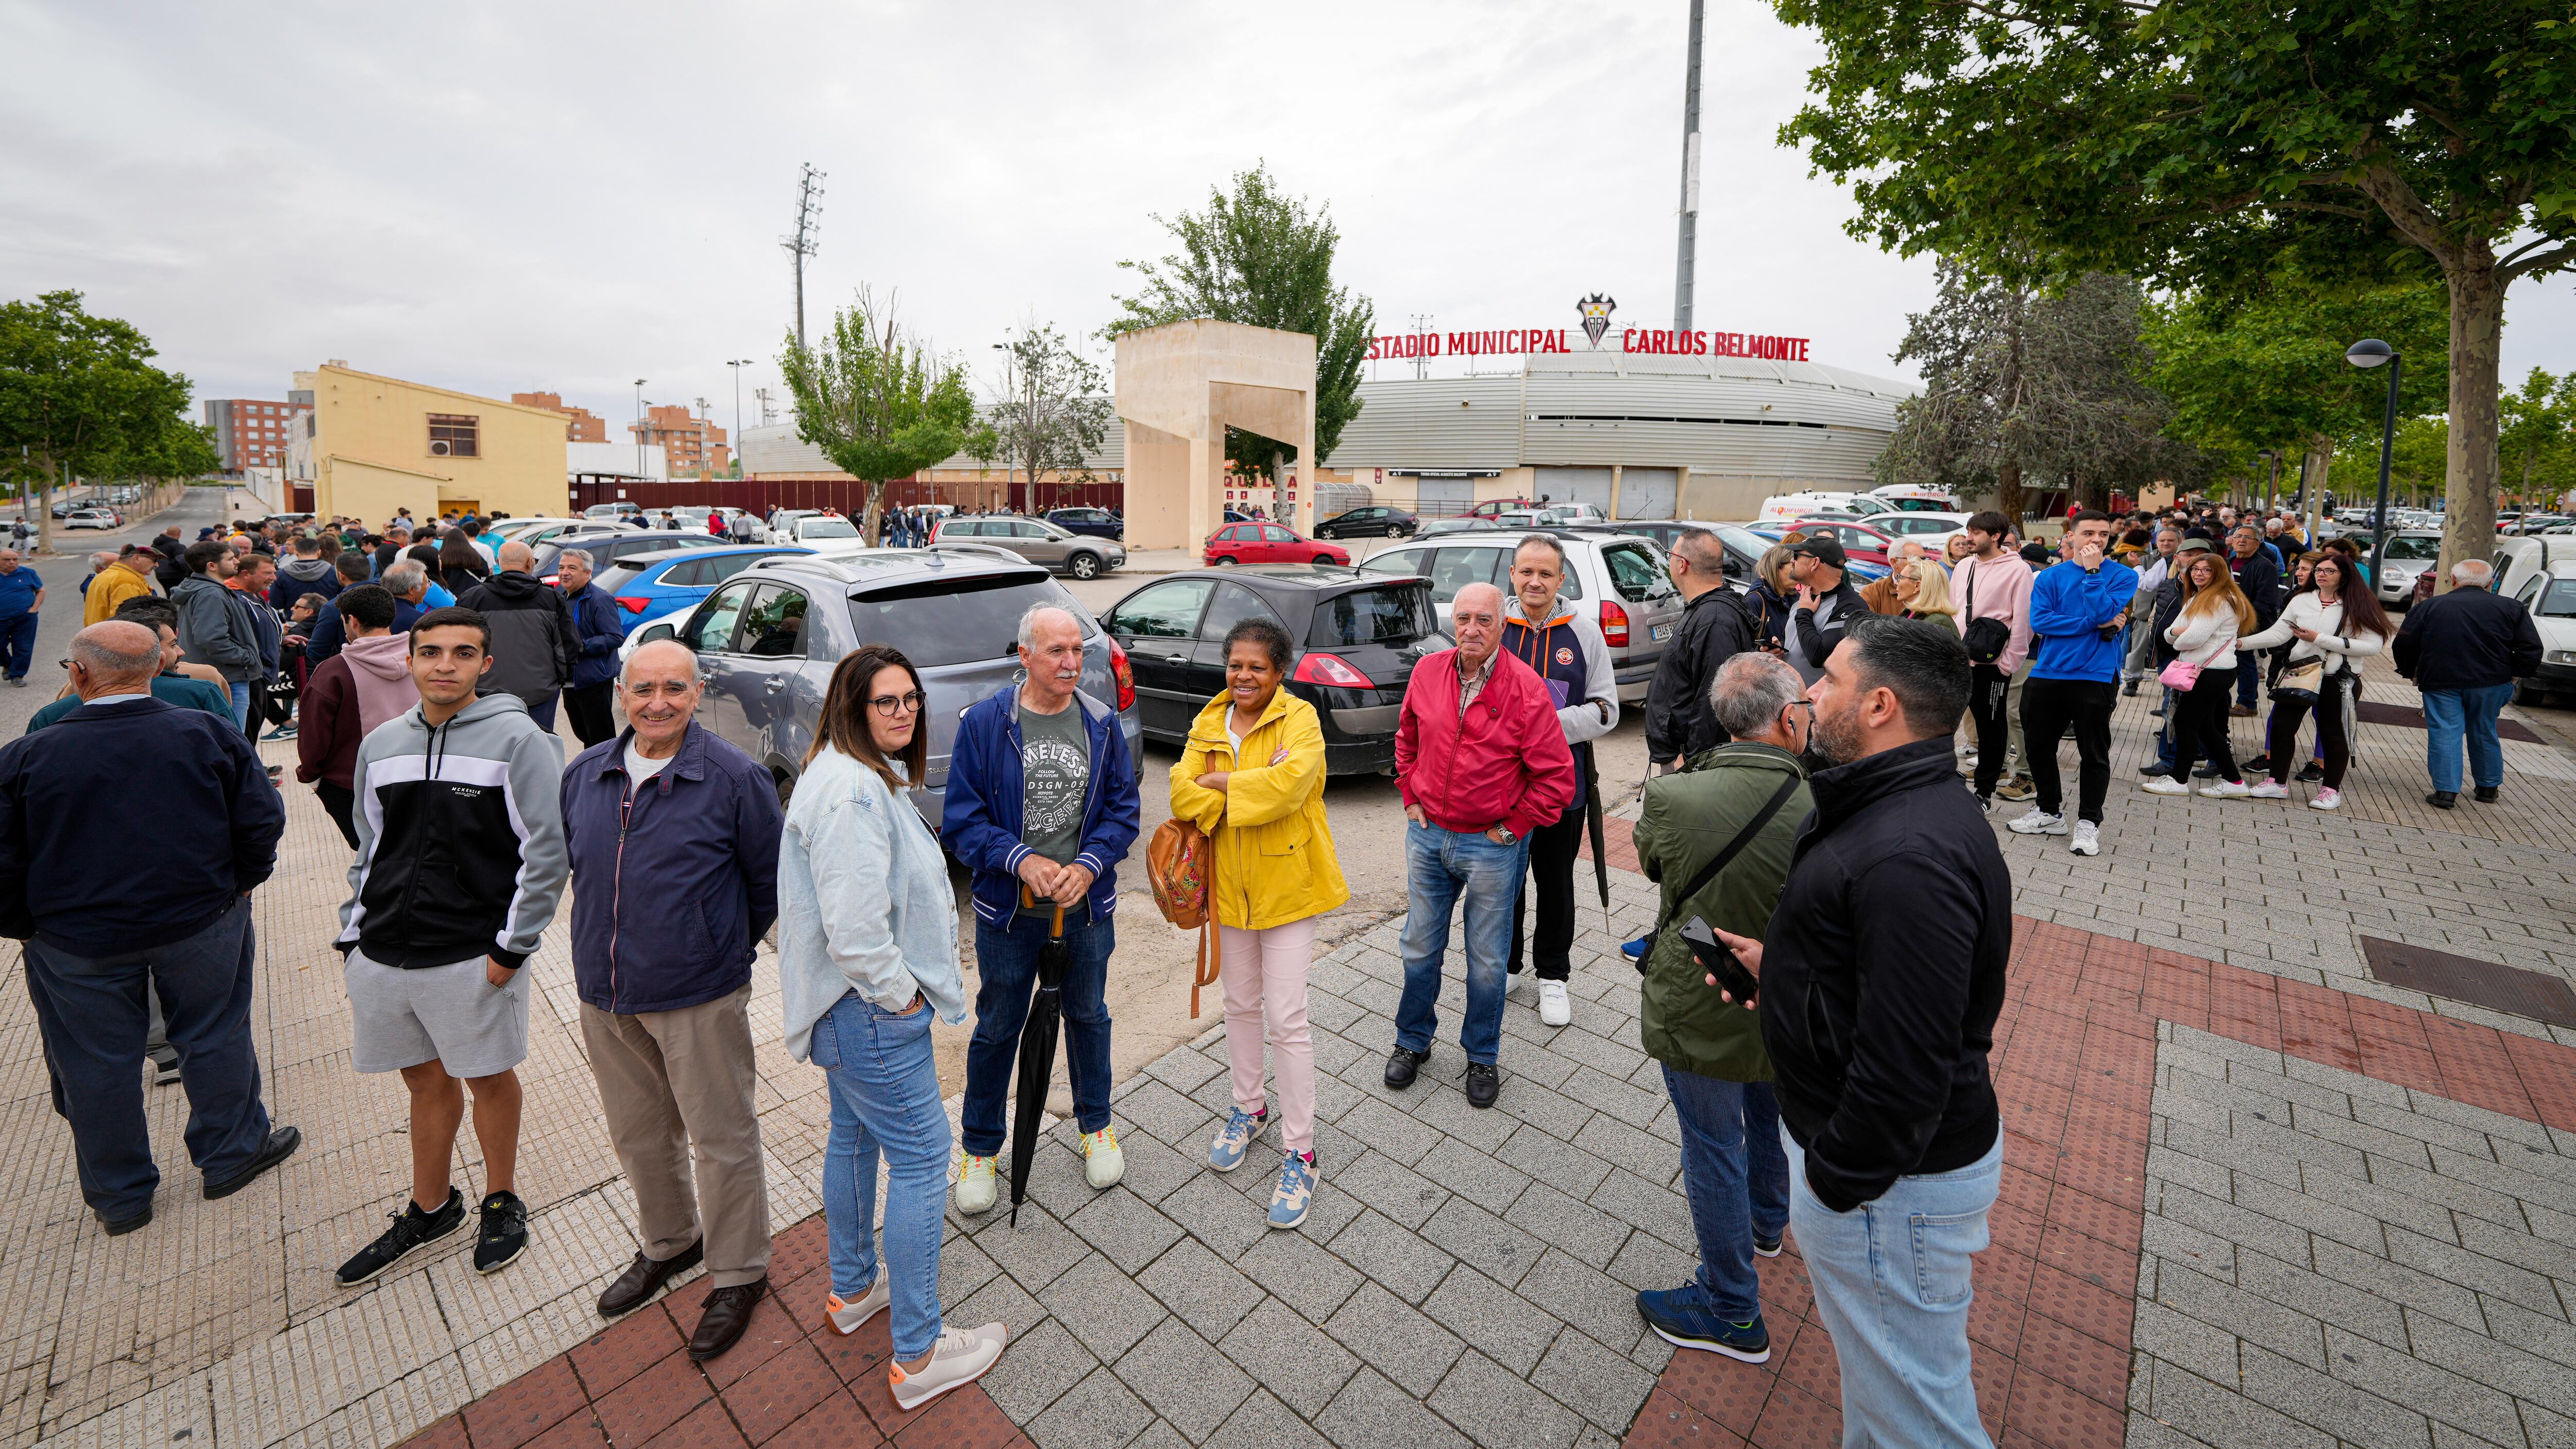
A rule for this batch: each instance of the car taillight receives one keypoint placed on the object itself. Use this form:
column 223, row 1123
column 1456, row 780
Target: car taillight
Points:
column 1614, row 624
column 632, row 606
column 1125, row 676
column 1321, row 668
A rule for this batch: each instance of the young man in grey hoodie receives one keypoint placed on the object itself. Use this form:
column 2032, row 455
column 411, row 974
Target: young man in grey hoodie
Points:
column 214, row 629
column 461, row 862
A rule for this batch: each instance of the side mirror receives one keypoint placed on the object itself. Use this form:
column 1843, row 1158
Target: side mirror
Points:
column 656, row 631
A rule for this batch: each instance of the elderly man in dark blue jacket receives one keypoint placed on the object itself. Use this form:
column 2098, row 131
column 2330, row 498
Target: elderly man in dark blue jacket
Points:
column 99, row 926
column 598, row 628
column 1041, row 796
column 674, row 842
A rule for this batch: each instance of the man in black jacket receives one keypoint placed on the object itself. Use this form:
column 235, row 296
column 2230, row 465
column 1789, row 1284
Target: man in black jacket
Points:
column 1881, row 981
column 98, row 927
column 2464, row 649
column 534, row 642
column 1826, row 604
column 1714, row 629
column 2259, row 579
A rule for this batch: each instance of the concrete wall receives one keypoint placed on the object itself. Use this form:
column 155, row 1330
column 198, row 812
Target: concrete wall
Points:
column 371, row 450
column 1178, row 388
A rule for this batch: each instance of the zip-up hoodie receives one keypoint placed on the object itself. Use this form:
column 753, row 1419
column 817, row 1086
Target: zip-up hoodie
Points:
column 215, row 633
column 981, row 818
column 533, row 645
column 460, row 838
column 300, row 576
column 2068, row 606
column 1569, row 655
column 380, row 675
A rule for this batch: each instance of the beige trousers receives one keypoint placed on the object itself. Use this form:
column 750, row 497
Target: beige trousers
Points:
column 670, row 1079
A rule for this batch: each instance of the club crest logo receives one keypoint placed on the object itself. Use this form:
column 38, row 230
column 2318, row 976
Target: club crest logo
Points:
column 1564, row 656
column 1596, row 310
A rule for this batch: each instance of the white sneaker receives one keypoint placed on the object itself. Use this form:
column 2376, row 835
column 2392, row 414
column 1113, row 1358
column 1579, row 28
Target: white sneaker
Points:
column 1102, row 1163
column 975, row 1186
column 1553, row 1008
column 2270, row 790
column 2088, row 838
column 2039, row 822
column 2163, row 785
column 846, row 1314
column 960, row 1357
column 2327, row 799
column 2226, row 790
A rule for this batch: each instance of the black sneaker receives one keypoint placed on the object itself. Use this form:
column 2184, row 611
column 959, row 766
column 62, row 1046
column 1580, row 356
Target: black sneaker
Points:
column 412, row 1229
column 1401, row 1066
column 2205, row 772
column 2311, row 772
column 505, row 1233
column 2486, row 793
column 2261, row 764
column 1483, row 1082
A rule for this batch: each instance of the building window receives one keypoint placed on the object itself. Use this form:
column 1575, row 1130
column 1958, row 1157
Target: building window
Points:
column 451, row 435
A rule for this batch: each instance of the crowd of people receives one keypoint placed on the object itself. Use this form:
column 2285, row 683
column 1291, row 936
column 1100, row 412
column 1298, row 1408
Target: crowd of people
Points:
column 1820, row 986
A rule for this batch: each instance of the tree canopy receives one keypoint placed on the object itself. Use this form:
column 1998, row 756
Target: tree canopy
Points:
column 2199, row 146
column 80, row 391
column 876, row 399
column 1259, row 257
column 1050, row 413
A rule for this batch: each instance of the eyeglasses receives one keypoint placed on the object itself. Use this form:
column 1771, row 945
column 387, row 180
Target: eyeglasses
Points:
column 891, row 705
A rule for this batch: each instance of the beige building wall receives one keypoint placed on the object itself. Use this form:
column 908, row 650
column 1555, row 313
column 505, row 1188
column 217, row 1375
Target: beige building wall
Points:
column 1178, row 388
column 373, row 451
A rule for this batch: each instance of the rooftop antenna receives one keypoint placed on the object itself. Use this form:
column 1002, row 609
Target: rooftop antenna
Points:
column 809, row 222
column 1684, row 282
column 1421, row 365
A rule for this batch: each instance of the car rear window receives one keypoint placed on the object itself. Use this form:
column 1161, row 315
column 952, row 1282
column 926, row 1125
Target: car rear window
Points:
column 1383, row 614
column 1636, row 573
column 969, row 619
column 826, row 528
column 617, row 577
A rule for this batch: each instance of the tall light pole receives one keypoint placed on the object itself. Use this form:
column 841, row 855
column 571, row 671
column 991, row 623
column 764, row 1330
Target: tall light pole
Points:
column 639, row 428
column 2271, row 480
column 2371, row 352
column 1687, row 263
column 737, row 364
column 809, row 221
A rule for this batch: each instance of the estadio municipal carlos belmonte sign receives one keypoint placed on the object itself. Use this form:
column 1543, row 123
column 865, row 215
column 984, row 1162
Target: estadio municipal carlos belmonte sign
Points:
column 1595, row 329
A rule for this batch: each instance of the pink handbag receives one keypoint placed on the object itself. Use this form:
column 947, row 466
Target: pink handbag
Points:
column 2181, row 676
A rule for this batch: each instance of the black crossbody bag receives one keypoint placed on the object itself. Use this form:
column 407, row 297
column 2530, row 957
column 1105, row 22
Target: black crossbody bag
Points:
column 1986, row 638
column 1717, row 863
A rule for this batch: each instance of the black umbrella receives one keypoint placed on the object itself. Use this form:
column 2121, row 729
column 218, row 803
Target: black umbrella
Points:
column 1037, row 1054
column 1592, row 821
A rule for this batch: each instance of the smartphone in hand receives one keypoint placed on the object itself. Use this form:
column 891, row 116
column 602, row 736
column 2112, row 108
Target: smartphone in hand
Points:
column 1718, row 959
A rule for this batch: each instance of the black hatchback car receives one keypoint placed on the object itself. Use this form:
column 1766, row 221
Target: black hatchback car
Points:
column 1369, row 522
column 1358, row 637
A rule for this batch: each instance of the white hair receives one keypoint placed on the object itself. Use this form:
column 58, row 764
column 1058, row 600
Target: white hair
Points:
column 404, row 577
column 626, row 671
column 1028, row 636
column 1750, row 691
column 2472, row 572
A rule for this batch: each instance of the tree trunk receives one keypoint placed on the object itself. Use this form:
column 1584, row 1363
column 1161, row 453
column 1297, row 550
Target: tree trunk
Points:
column 2477, row 336
column 2008, row 492
column 1278, row 484
column 868, row 516
column 2320, row 456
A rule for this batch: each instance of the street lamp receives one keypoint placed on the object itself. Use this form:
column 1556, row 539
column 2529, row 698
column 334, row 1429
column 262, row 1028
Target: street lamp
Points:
column 2273, row 480
column 639, row 428
column 737, row 364
column 2371, row 352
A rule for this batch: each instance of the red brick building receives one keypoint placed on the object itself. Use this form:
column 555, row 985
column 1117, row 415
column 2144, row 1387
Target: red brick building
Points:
column 252, row 432
column 693, row 444
column 582, row 425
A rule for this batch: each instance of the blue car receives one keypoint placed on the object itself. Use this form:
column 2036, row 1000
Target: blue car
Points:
column 1098, row 522
column 667, row 581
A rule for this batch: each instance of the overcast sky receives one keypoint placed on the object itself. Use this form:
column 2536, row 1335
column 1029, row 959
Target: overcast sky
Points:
column 504, row 197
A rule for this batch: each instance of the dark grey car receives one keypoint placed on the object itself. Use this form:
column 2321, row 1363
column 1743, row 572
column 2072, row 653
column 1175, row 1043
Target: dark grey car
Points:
column 768, row 640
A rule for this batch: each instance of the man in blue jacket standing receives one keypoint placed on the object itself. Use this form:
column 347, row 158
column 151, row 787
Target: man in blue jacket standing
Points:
column 597, row 630
column 1042, row 795
column 2078, row 607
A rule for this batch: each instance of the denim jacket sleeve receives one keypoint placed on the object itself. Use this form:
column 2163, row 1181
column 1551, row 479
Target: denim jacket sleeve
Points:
column 852, row 848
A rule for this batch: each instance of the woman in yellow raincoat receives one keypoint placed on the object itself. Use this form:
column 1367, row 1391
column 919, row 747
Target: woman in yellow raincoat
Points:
column 1252, row 777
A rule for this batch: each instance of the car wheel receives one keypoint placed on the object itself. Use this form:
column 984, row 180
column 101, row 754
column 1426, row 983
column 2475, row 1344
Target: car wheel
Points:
column 1323, row 558
column 1225, row 560
column 786, row 787
column 1085, row 566
column 1394, row 532
column 2524, row 692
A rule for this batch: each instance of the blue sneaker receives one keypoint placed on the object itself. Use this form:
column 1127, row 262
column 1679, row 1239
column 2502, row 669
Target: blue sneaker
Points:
column 1682, row 1317
column 1635, row 950
column 1235, row 1138
column 1296, row 1189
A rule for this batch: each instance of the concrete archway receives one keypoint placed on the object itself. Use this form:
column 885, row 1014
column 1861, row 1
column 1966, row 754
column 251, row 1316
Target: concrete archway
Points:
column 1179, row 387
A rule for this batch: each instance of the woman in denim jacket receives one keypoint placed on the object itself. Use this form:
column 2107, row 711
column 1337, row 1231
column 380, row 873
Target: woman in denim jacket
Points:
column 867, row 950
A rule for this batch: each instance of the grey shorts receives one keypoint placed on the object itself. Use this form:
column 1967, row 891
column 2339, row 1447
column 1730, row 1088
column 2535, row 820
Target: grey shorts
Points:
column 452, row 1015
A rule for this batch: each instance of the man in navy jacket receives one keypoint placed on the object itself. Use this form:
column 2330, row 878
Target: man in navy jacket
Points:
column 98, row 928
column 1041, row 795
column 598, row 628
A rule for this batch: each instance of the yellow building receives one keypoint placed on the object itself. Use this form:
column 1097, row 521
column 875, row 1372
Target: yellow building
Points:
column 380, row 444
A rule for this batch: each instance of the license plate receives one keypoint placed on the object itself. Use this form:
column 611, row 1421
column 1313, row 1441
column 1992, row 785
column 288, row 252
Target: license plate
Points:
column 1659, row 632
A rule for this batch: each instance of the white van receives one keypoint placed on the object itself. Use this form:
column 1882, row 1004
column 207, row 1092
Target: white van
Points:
column 1911, row 499
column 1790, row 507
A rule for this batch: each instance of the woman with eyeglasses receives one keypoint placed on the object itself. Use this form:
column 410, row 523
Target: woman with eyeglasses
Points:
column 1252, row 777
column 867, row 951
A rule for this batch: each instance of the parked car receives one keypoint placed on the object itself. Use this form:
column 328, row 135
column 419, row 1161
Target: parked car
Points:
column 607, row 546
column 93, row 518
column 1358, row 637
column 1782, row 507
column 667, row 580
column 1620, row 577
column 2409, row 553
column 1098, row 522
column 1258, row 543
column 768, row 638
column 1038, row 541
column 1744, row 548
column 1487, row 510
column 1930, row 529
column 532, row 531
column 1860, row 541
column 2550, row 595
column 1369, row 522
column 618, row 512
column 816, row 528
column 1464, row 523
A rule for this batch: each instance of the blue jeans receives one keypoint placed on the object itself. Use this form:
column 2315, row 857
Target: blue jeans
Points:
column 241, row 692
column 2249, row 673
column 18, row 643
column 2165, row 734
column 94, row 1014
column 1891, row 1278
column 1737, row 1179
column 1006, row 965
column 885, row 1102
column 1441, row 868
column 2451, row 713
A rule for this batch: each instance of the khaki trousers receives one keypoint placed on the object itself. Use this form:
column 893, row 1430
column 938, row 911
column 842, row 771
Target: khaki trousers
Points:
column 670, row 1079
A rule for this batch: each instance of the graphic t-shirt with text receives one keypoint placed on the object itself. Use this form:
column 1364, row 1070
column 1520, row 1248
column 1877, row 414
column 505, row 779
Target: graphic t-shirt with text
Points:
column 1055, row 774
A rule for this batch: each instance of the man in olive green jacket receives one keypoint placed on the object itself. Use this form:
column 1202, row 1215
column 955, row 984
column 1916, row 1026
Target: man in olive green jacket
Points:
column 1733, row 1169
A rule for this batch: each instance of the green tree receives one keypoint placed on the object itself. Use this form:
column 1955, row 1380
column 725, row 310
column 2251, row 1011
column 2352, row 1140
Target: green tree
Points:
column 2535, row 442
column 2198, row 144
column 79, row 394
column 1261, row 258
column 876, row 400
column 1051, row 414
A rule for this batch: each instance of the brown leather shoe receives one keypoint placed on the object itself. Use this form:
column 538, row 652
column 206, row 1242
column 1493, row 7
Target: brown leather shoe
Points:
column 728, row 1314
column 644, row 1277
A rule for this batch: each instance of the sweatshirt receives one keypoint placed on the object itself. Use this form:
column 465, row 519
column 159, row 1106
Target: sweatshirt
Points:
column 380, row 677
column 1570, row 656
column 300, row 576
column 2003, row 593
column 2068, row 606
column 2307, row 611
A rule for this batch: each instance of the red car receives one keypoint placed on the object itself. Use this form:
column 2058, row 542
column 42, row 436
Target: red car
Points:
column 1261, row 543
column 1859, row 540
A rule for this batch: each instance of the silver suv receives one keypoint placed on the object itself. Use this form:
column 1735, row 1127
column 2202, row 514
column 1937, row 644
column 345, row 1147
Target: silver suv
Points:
column 1040, row 542
column 1619, row 577
column 768, row 640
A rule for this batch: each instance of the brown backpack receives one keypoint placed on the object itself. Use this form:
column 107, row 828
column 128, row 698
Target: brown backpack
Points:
column 1180, row 862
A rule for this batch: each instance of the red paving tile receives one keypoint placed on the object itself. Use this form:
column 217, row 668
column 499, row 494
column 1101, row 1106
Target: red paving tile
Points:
column 836, row 1423
column 706, row 1427
column 525, row 1407
column 653, row 1400
column 1668, row 1423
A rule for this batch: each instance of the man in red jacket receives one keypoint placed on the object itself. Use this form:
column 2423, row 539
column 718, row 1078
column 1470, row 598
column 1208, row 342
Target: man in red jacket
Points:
column 1482, row 762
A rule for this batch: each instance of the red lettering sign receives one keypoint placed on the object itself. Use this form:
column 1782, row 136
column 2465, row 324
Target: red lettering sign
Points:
column 1529, row 341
